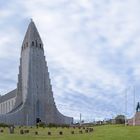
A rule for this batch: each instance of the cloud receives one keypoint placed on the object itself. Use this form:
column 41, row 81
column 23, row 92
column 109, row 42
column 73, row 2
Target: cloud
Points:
column 92, row 50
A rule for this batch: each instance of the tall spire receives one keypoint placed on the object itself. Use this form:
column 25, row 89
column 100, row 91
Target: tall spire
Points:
column 31, row 19
column 34, row 100
column 32, row 34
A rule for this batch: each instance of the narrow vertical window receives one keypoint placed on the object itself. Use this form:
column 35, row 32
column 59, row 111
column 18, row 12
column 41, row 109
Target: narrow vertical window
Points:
column 40, row 45
column 6, row 107
column 32, row 43
column 9, row 106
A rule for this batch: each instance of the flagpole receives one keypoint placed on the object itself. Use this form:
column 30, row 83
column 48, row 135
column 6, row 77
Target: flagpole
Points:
column 125, row 107
column 80, row 119
column 134, row 119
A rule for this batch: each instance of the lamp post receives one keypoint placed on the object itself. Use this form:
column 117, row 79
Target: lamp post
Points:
column 125, row 107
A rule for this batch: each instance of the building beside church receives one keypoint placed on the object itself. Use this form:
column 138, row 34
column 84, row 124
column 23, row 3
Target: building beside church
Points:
column 135, row 120
column 32, row 101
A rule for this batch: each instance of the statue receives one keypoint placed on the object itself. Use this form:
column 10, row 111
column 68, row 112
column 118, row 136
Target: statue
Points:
column 138, row 107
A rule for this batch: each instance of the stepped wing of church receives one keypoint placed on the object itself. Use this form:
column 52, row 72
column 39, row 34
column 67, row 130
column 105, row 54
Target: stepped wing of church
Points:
column 32, row 101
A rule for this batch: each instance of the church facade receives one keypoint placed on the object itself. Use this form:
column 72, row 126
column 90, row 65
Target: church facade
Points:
column 32, row 101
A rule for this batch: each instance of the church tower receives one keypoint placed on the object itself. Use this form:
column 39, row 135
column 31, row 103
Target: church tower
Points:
column 34, row 100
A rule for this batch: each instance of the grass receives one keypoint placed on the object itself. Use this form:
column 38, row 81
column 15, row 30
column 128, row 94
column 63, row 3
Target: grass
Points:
column 106, row 132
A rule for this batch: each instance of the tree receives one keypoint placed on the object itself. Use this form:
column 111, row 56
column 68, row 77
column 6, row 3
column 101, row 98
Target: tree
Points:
column 120, row 119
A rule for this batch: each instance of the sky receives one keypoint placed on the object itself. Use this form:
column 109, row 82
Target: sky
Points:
column 92, row 49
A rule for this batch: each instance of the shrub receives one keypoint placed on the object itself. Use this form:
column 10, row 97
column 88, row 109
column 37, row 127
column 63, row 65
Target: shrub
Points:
column 49, row 133
column 72, row 132
column 36, row 133
column 120, row 119
column 4, row 125
column 60, row 133
column 21, row 131
column 42, row 124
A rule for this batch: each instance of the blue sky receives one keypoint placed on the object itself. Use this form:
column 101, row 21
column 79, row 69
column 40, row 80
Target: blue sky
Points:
column 92, row 50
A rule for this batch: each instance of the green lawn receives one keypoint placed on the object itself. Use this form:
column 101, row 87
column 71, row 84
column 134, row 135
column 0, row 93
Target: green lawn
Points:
column 108, row 132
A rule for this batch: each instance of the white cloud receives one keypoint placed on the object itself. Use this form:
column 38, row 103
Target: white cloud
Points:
column 92, row 47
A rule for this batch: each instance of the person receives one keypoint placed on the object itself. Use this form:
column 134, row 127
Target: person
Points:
column 138, row 107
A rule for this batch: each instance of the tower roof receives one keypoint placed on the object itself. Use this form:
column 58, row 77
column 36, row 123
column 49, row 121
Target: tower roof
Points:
column 32, row 34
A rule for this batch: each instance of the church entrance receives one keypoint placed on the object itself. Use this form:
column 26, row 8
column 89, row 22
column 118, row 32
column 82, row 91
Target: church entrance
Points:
column 38, row 108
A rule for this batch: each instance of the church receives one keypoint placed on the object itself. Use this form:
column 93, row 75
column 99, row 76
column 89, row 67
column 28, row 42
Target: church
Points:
column 32, row 101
